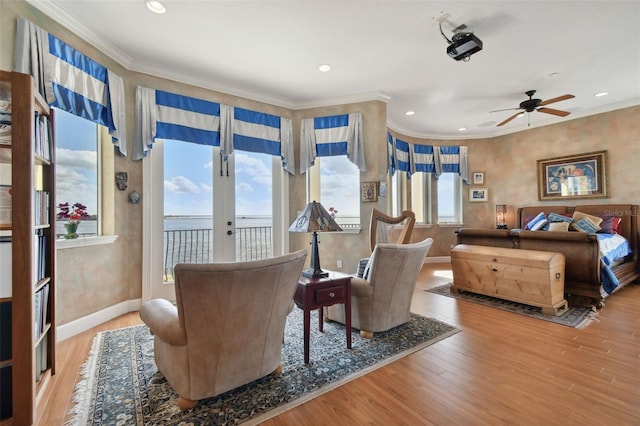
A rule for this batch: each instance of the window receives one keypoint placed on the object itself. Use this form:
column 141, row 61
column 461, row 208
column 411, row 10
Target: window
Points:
column 449, row 198
column 78, row 171
column 432, row 200
column 335, row 182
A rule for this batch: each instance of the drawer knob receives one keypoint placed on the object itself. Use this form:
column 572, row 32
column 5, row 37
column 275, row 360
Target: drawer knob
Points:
column 332, row 295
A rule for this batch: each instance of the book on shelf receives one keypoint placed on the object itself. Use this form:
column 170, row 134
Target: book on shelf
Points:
column 41, row 200
column 41, row 310
column 5, row 266
column 5, row 205
column 5, row 134
column 39, row 255
column 42, row 136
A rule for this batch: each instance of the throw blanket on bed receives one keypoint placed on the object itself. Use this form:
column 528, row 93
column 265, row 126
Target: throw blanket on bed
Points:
column 612, row 247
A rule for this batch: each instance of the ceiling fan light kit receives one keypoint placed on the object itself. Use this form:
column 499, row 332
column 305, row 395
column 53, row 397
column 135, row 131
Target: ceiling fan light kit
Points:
column 531, row 105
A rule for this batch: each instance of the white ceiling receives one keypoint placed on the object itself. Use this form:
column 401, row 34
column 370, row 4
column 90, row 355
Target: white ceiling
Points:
column 381, row 49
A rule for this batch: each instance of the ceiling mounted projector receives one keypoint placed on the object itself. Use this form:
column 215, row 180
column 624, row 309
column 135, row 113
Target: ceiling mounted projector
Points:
column 463, row 46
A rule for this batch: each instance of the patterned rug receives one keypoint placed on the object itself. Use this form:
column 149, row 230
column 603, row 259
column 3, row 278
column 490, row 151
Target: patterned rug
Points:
column 575, row 316
column 121, row 385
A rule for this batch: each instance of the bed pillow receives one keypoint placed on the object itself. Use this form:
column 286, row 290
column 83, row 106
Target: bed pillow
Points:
column 578, row 216
column 537, row 222
column 610, row 225
column 617, row 225
column 559, row 226
column 585, row 225
column 557, row 218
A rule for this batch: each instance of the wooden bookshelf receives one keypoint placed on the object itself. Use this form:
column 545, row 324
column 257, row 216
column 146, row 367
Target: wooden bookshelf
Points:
column 33, row 244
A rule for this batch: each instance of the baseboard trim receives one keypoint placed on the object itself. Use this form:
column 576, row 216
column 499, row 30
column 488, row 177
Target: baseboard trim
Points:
column 438, row 259
column 74, row 327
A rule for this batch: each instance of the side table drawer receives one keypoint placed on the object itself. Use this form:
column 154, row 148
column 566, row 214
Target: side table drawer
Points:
column 330, row 294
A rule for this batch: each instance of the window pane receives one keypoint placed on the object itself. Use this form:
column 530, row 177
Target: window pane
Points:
column 340, row 188
column 254, row 205
column 188, row 187
column 77, row 169
column 447, row 198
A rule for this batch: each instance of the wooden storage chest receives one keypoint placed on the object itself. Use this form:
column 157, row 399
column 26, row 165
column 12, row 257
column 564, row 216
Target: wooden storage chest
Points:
column 526, row 276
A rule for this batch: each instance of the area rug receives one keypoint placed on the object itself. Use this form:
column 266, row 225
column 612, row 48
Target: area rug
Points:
column 575, row 316
column 121, row 384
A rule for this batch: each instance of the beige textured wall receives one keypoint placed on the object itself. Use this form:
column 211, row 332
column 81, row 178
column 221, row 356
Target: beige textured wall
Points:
column 94, row 278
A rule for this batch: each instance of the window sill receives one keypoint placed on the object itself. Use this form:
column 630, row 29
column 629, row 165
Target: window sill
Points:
column 85, row 242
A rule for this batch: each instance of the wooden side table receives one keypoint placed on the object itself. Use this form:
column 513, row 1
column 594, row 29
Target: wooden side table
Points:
column 315, row 293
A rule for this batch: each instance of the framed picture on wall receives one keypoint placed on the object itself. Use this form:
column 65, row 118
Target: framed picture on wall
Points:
column 477, row 195
column 573, row 176
column 369, row 191
column 382, row 189
column 478, row 178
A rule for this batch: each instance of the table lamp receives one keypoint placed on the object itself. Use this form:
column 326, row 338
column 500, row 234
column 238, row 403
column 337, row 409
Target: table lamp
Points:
column 314, row 218
column 501, row 216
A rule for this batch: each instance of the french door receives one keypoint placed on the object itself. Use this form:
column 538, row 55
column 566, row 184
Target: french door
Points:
column 198, row 208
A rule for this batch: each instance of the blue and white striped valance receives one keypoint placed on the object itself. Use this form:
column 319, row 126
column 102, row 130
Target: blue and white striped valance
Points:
column 163, row 115
column 422, row 159
column 403, row 156
column 413, row 158
column 187, row 119
column 332, row 135
column 259, row 132
column 72, row 81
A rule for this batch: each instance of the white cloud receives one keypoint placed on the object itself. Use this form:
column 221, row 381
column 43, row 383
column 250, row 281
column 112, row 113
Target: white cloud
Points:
column 244, row 187
column 179, row 184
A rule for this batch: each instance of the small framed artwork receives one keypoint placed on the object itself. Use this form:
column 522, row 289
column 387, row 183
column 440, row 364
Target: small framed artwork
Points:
column 478, row 178
column 478, row 195
column 573, row 176
column 382, row 189
column 369, row 191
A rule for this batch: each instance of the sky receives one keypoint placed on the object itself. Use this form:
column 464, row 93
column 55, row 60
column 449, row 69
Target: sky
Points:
column 188, row 181
column 76, row 161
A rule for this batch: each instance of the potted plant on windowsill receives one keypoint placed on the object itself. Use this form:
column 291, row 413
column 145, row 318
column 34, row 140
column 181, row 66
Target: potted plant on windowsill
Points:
column 74, row 214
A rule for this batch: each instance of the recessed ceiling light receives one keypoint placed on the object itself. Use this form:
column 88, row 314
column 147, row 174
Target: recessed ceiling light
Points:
column 324, row 68
column 156, row 6
column 597, row 95
column 554, row 75
column 409, row 113
column 462, row 129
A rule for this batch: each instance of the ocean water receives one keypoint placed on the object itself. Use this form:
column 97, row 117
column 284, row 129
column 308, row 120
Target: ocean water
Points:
column 176, row 223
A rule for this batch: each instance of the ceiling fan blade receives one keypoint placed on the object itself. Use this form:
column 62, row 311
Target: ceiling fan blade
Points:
column 509, row 119
column 558, row 99
column 508, row 109
column 553, row 111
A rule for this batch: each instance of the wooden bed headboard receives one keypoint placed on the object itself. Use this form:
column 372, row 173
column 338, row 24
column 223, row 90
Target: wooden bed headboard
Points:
column 627, row 212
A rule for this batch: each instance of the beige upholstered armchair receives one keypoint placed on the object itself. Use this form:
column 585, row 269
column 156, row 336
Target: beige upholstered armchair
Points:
column 227, row 326
column 383, row 300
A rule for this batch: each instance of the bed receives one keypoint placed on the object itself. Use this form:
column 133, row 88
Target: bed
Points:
column 597, row 263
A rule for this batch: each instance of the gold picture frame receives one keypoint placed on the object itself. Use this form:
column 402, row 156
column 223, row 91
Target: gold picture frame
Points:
column 369, row 191
column 573, row 176
column 478, row 195
column 478, row 178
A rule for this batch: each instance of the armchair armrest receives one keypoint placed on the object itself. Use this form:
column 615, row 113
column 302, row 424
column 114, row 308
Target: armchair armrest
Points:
column 162, row 319
column 361, row 287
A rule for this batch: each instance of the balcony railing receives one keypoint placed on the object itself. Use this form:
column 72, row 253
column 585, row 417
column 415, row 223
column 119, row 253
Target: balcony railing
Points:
column 196, row 246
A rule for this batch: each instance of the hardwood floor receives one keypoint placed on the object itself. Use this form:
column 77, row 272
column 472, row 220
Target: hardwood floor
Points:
column 502, row 368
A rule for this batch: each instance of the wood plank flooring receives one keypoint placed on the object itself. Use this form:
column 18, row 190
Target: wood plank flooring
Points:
column 501, row 369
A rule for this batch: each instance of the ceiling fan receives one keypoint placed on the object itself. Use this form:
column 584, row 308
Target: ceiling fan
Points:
column 531, row 105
